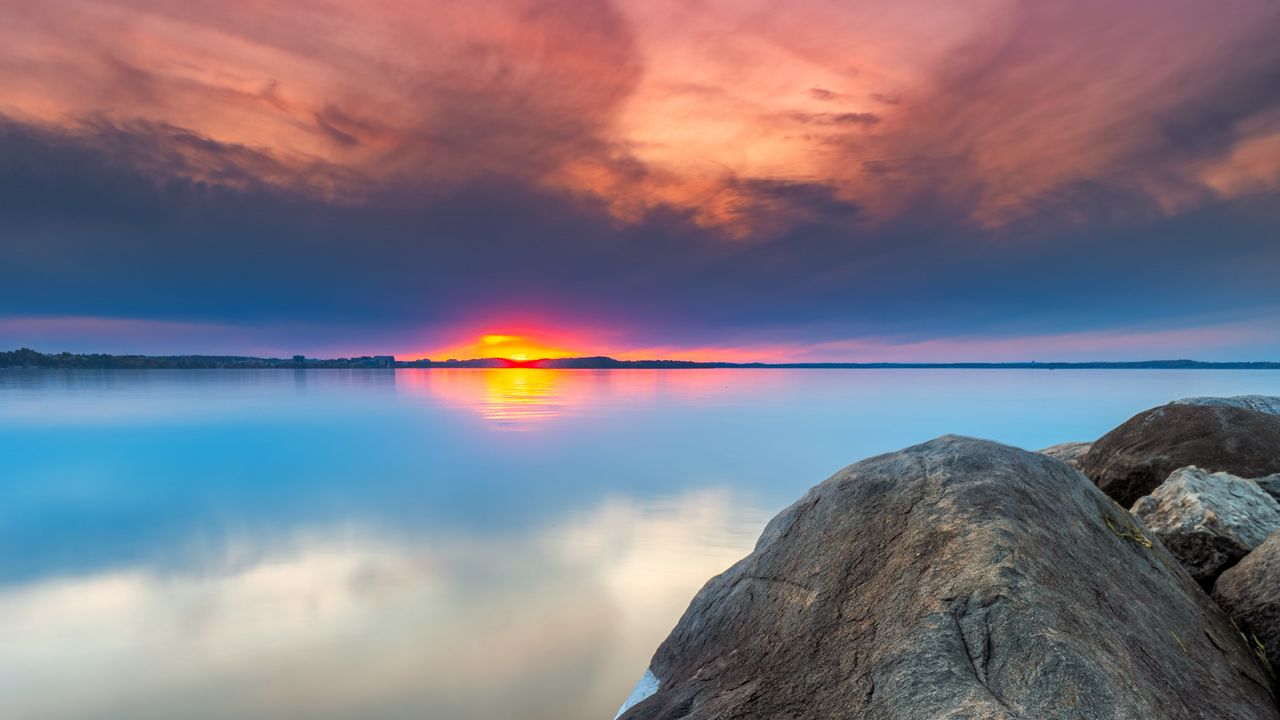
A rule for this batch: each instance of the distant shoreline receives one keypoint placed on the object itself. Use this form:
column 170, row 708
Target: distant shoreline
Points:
column 26, row 358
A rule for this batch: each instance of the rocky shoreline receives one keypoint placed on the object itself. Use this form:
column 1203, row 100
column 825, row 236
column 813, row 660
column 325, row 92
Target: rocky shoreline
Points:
column 1137, row 576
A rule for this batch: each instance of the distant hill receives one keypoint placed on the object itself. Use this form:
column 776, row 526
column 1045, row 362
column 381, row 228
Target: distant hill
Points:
column 28, row 358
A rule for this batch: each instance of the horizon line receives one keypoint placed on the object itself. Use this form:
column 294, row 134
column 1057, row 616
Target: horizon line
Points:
column 69, row 360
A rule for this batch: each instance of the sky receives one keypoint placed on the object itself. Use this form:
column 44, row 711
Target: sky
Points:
column 808, row 180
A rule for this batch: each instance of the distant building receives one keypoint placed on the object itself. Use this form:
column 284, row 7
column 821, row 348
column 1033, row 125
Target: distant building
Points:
column 299, row 359
column 384, row 361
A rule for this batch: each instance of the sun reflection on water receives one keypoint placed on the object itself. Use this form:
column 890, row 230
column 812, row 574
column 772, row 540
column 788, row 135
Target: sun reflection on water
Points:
column 511, row 398
column 519, row 398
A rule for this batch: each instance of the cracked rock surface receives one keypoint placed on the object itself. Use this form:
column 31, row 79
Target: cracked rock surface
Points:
column 955, row 579
column 1270, row 485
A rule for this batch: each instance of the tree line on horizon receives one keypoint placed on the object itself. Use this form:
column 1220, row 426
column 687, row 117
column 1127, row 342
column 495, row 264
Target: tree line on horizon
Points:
column 28, row 358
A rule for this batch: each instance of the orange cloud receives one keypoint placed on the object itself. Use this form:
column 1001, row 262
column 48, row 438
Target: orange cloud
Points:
column 747, row 119
column 424, row 92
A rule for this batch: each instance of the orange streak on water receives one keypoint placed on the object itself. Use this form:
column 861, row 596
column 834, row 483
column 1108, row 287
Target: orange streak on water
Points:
column 528, row 398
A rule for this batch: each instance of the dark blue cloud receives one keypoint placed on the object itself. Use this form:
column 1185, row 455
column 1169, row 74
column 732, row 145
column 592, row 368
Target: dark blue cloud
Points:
column 102, row 221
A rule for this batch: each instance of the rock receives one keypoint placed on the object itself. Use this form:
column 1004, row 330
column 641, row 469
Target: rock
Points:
column 1261, row 403
column 1068, row 452
column 647, row 686
column 1250, row 593
column 1209, row 521
column 1270, row 485
column 956, row 579
column 1133, row 459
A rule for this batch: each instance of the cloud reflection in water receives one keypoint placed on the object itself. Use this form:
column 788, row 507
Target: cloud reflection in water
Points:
column 343, row 622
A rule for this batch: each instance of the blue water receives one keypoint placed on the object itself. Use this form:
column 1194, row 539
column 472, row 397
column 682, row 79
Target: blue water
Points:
column 447, row 544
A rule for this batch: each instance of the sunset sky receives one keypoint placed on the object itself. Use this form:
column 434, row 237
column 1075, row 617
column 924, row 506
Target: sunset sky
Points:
column 717, row 179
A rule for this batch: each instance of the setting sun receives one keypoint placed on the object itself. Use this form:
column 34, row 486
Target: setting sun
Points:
column 519, row 347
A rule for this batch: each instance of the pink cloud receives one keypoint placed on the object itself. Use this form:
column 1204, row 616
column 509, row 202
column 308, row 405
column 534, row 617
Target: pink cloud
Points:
column 1235, row 340
column 1226, row 341
column 1232, row 340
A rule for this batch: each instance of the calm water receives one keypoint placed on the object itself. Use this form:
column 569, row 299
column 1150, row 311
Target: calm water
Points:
column 432, row 544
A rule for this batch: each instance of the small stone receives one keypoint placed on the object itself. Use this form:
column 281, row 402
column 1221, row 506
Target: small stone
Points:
column 1068, row 452
column 1209, row 521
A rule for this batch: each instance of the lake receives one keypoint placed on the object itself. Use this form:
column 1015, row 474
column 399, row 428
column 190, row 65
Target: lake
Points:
column 449, row 544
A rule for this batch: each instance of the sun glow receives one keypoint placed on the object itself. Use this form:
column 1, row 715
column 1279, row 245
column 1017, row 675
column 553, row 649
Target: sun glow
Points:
column 518, row 347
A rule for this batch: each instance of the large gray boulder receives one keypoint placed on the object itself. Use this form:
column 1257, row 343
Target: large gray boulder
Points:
column 1209, row 521
column 955, row 579
column 1250, row 593
column 1069, row 452
column 1133, row 459
column 1261, row 403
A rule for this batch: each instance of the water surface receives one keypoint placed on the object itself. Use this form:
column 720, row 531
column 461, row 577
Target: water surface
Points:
column 449, row 544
